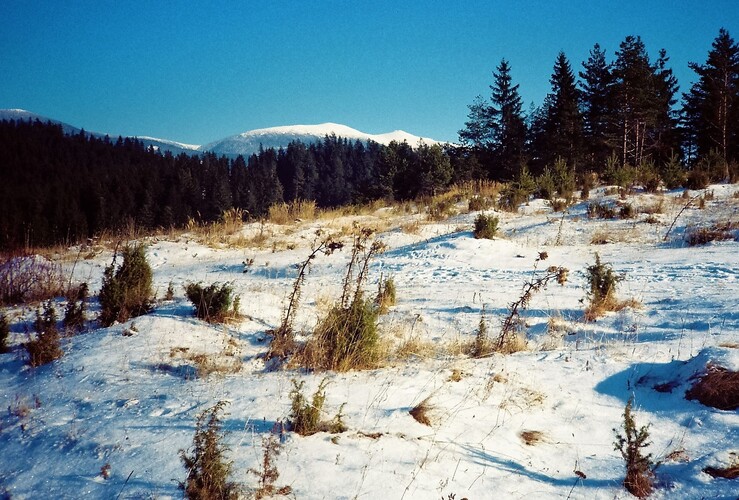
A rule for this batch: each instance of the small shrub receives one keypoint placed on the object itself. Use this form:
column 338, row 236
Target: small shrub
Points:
column 486, row 227
column 730, row 472
column 481, row 346
column 697, row 179
column 704, row 235
column 602, row 283
column 639, row 467
column 627, row 212
column 305, row 416
column 386, row 295
column 214, row 303
column 4, row 333
column 347, row 337
column 673, row 173
column 601, row 211
column 530, row 438
column 169, row 295
column 478, row 203
column 559, row 204
column 649, row 178
column 126, row 291
column 74, row 314
column 268, row 474
column 46, row 347
column 207, row 469
column 283, row 337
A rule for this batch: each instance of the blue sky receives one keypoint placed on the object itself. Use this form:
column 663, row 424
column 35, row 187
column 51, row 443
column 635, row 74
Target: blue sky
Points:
column 197, row 71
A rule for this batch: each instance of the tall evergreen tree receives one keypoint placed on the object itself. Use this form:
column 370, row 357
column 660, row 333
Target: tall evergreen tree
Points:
column 643, row 96
column 510, row 128
column 597, row 106
column 563, row 124
column 711, row 107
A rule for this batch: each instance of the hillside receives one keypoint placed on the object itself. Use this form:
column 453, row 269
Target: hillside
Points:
column 108, row 418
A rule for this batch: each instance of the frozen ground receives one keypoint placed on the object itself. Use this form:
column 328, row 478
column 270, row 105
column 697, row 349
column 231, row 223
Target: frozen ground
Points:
column 128, row 396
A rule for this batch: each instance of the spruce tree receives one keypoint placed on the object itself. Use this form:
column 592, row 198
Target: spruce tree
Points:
column 711, row 107
column 597, row 106
column 563, row 125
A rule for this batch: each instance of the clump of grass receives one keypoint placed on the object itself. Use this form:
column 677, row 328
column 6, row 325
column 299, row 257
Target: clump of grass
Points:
column 639, row 467
column 422, row 412
column 214, row 303
column 46, row 347
column 126, row 290
column 486, row 227
column 530, row 438
column 386, row 295
column 208, row 471
column 717, row 388
column 305, row 416
column 347, row 338
column 296, row 211
column 720, row 231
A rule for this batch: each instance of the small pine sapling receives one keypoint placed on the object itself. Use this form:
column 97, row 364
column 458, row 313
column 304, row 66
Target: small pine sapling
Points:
column 305, row 416
column 639, row 467
column 386, row 295
column 74, row 314
column 207, row 469
column 486, row 227
column 481, row 345
column 46, row 347
column 602, row 283
column 212, row 303
column 4, row 333
column 126, row 291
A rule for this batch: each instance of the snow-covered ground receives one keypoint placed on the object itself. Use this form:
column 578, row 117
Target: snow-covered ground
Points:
column 126, row 397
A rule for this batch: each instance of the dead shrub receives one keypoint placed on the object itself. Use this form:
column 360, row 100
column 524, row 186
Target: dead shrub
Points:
column 29, row 278
column 718, row 388
column 704, row 235
column 268, row 474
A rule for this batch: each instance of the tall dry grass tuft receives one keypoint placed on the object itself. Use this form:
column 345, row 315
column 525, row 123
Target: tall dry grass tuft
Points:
column 287, row 213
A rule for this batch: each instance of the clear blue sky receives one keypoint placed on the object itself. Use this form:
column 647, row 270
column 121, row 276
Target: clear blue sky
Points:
column 197, row 71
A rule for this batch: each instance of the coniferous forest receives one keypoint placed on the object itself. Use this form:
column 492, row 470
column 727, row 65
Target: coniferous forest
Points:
column 620, row 117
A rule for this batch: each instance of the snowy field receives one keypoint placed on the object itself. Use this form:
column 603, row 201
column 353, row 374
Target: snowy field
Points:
column 125, row 398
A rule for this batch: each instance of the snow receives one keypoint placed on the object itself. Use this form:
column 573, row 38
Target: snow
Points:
column 128, row 395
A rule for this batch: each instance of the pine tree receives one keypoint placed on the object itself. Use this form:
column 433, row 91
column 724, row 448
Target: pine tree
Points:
column 597, row 105
column 711, row 107
column 496, row 130
column 563, row 125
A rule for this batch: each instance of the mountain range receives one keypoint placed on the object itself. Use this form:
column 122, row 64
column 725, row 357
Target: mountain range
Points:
column 245, row 143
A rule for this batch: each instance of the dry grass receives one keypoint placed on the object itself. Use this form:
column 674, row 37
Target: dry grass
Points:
column 530, row 438
column 223, row 363
column 611, row 304
column 731, row 472
column 720, row 231
column 415, row 347
column 295, row 211
column 422, row 412
column 718, row 388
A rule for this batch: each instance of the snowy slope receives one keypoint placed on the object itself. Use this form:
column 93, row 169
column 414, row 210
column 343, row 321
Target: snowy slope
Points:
column 249, row 142
column 127, row 396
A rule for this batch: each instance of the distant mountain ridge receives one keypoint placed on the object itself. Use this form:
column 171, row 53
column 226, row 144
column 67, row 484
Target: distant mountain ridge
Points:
column 248, row 142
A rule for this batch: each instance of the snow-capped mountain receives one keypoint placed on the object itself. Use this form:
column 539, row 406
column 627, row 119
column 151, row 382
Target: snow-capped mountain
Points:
column 279, row 137
column 245, row 143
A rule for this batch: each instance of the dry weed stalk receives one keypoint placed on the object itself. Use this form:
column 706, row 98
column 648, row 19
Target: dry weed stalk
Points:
column 283, row 337
column 268, row 474
column 507, row 339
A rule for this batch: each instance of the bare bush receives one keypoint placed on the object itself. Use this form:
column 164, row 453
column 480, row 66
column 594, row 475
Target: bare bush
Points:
column 46, row 347
column 718, row 388
column 268, row 474
column 29, row 278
